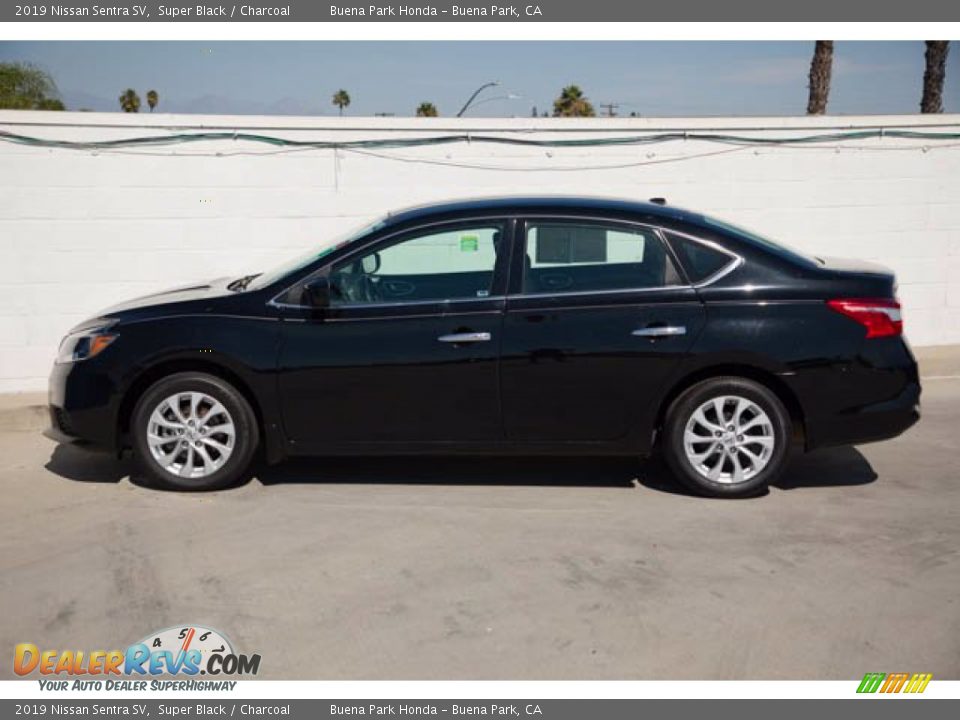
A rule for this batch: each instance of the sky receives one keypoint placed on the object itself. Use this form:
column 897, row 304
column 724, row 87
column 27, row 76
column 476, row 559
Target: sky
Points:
column 643, row 77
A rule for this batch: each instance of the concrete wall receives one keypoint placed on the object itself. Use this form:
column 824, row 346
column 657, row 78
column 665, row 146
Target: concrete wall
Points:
column 80, row 230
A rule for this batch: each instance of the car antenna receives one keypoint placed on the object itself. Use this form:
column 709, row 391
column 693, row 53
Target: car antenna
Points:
column 658, row 201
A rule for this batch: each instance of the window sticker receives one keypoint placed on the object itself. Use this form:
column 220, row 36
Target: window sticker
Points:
column 469, row 243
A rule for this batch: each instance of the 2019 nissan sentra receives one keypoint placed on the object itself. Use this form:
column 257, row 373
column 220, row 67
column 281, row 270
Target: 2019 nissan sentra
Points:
column 527, row 326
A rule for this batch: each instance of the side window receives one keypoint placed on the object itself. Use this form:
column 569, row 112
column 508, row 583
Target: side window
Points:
column 448, row 264
column 583, row 257
column 699, row 260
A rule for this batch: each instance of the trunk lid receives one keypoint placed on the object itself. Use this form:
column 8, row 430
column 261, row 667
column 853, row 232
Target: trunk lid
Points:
column 859, row 278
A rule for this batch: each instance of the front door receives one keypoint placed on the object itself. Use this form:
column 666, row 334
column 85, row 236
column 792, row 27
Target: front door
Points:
column 593, row 327
column 409, row 348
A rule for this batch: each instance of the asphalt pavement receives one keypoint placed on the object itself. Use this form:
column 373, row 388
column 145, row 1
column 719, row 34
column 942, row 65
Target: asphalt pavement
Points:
column 501, row 568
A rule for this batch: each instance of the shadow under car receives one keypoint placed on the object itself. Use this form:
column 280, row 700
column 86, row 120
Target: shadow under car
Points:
column 834, row 467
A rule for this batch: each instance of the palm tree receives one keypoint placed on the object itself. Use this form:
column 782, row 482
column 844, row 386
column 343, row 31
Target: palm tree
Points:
column 130, row 101
column 572, row 103
column 427, row 109
column 934, row 75
column 152, row 99
column 341, row 98
column 821, row 68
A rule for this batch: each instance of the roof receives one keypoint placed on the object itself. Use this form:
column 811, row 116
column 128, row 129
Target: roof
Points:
column 547, row 203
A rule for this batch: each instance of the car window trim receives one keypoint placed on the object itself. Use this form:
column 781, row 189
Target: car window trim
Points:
column 736, row 260
column 414, row 303
column 504, row 220
column 620, row 291
column 414, row 316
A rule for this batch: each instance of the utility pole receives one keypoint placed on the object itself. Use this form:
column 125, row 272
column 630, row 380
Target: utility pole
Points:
column 611, row 108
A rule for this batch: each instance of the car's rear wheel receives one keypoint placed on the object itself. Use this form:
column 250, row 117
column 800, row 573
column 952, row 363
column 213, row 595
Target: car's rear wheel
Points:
column 727, row 437
column 194, row 431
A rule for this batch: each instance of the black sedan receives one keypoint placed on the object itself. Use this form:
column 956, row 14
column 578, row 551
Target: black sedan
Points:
column 526, row 326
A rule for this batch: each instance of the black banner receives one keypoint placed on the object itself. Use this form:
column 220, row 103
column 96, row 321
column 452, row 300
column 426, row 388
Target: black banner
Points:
column 444, row 11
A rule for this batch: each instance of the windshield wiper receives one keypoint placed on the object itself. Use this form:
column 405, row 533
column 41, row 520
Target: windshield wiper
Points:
column 241, row 283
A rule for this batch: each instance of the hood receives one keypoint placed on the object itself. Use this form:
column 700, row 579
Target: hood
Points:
column 184, row 294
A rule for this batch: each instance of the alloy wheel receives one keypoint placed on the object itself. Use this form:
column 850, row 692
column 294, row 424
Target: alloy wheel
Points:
column 729, row 439
column 191, row 434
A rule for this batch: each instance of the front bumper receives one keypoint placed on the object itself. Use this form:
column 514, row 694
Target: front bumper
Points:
column 83, row 405
column 60, row 429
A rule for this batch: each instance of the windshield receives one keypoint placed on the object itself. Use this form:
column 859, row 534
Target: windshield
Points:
column 301, row 261
column 764, row 242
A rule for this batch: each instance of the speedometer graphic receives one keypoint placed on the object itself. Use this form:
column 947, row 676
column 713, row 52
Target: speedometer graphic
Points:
column 181, row 639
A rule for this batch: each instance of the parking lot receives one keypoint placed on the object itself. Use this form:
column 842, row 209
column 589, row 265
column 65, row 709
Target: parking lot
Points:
column 502, row 569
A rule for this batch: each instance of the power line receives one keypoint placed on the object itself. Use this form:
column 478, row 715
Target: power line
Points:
column 626, row 140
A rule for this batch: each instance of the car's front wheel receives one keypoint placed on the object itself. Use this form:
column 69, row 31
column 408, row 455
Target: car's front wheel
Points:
column 194, row 431
column 727, row 437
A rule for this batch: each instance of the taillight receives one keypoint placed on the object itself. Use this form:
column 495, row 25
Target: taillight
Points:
column 880, row 317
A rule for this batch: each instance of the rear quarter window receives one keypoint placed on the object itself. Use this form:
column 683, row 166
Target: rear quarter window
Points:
column 699, row 260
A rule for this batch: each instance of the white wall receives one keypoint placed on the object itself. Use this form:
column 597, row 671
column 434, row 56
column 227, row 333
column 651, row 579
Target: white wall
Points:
column 80, row 230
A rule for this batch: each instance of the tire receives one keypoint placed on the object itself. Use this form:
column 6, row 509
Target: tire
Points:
column 758, row 445
column 213, row 452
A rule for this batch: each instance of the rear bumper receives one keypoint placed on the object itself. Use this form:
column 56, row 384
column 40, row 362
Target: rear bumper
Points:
column 874, row 395
column 870, row 423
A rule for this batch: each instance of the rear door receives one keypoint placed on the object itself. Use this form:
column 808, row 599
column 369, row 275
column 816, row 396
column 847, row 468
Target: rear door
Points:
column 596, row 319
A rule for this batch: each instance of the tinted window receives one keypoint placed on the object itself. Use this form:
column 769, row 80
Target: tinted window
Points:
column 699, row 260
column 451, row 264
column 583, row 257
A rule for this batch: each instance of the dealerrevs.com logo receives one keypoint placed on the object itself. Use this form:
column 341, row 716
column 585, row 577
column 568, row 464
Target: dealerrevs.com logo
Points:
column 187, row 650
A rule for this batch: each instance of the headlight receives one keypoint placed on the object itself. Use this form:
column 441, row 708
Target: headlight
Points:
column 84, row 345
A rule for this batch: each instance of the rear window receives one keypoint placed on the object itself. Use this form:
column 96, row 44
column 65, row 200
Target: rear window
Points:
column 700, row 261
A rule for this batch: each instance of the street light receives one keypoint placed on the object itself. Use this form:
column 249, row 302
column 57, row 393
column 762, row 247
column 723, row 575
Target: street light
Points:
column 475, row 93
column 510, row 96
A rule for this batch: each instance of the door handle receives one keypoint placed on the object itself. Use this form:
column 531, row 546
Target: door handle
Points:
column 658, row 331
column 467, row 337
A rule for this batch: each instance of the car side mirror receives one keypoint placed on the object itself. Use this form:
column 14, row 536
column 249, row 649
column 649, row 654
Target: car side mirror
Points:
column 316, row 293
column 371, row 263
